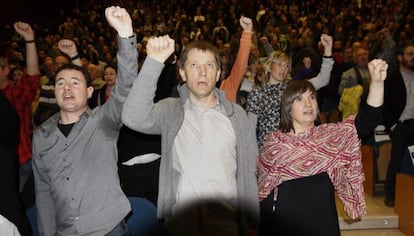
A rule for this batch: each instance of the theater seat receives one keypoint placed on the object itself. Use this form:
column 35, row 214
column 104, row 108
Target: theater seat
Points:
column 31, row 214
column 143, row 219
column 407, row 166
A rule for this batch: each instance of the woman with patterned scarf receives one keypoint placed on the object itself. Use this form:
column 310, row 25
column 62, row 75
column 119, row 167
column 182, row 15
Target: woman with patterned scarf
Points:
column 301, row 165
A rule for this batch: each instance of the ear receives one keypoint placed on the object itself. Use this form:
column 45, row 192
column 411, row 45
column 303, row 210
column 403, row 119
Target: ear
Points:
column 400, row 58
column 182, row 74
column 90, row 91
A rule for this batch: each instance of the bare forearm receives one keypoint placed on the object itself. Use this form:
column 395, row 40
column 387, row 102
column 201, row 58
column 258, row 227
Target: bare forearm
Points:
column 32, row 61
column 376, row 94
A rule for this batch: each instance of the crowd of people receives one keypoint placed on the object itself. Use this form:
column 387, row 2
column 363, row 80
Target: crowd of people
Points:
column 208, row 109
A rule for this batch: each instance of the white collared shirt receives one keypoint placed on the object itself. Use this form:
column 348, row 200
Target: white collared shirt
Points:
column 205, row 155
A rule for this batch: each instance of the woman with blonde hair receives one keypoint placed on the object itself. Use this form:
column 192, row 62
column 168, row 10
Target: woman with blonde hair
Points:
column 264, row 103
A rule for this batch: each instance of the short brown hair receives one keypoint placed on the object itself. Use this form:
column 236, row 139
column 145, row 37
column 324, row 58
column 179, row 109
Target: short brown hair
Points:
column 83, row 70
column 202, row 46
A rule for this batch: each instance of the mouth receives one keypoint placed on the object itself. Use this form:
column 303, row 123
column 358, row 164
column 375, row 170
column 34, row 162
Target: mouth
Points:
column 308, row 113
column 202, row 83
column 68, row 97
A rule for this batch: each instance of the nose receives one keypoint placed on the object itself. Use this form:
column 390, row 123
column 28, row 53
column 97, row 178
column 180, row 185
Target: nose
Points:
column 202, row 69
column 307, row 102
column 67, row 86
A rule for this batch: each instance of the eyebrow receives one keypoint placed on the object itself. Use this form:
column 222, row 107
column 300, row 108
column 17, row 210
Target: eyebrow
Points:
column 198, row 62
column 71, row 78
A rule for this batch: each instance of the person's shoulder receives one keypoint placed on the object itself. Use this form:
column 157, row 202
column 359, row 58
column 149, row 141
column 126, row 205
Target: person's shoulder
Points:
column 169, row 103
column 47, row 125
column 240, row 112
column 349, row 72
column 169, row 100
column 238, row 108
column 257, row 90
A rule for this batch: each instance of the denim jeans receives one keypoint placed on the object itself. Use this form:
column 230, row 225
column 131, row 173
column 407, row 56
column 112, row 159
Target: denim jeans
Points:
column 120, row 229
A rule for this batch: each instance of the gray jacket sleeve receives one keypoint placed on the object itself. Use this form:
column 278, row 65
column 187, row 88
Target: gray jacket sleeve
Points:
column 140, row 112
column 127, row 57
column 322, row 79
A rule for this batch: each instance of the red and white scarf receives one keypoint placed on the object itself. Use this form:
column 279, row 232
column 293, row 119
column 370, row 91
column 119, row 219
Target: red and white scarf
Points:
column 333, row 148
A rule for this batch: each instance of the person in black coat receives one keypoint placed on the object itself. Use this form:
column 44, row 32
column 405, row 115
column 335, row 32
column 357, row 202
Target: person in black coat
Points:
column 11, row 206
column 398, row 114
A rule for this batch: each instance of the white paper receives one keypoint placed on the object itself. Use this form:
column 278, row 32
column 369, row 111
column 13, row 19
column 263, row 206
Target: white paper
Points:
column 380, row 134
column 411, row 151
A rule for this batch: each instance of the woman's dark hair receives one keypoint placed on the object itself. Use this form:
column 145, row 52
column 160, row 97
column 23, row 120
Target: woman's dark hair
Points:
column 294, row 89
column 111, row 65
column 83, row 70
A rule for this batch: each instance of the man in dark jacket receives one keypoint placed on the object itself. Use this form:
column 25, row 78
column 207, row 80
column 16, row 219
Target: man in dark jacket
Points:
column 399, row 114
column 11, row 206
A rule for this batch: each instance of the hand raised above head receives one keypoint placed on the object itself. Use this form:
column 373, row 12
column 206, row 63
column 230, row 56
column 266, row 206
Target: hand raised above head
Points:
column 68, row 47
column 378, row 70
column 246, row 24
column 160, row 48
column 25, row 30
column 326, row 40
column 120, row 20
column 327, row 43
